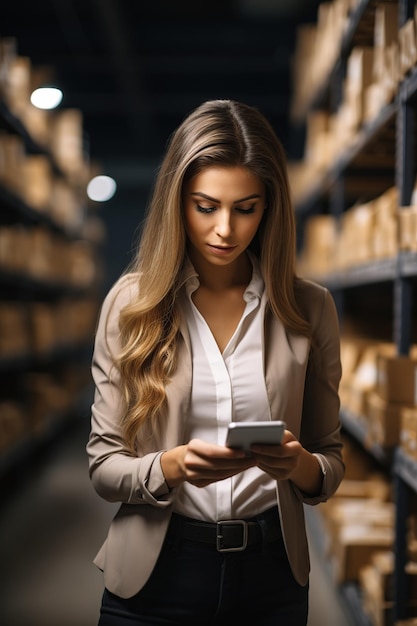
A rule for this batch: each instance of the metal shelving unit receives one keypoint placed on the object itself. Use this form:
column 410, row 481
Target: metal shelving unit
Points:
column 67, row 357
column 399, row 272
column 405, row 480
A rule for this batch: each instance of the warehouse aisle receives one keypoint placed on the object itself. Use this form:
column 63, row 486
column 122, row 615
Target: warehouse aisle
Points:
column 51, row 525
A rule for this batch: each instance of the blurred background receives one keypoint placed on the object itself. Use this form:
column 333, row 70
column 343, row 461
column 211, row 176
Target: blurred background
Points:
column 135, row 70
column 90, row 92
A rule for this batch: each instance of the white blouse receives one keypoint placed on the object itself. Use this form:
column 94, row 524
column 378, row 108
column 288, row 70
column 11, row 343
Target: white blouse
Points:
column 228, row 386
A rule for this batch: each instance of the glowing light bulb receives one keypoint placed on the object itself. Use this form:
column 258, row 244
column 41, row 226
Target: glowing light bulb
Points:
column 46, row 97
column 101, row 188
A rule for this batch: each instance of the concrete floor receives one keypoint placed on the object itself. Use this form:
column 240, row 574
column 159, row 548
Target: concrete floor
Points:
column 51, row 525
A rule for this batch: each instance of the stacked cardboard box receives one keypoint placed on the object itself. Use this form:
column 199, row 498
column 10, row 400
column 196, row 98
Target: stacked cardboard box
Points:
column 373, row 76
column 351, row 113
column 317, row 49
column 407, row 224
column 385, row 71
column 379, row 389
column 408, row 433
column 33, row 179
column 39, row 253
column 69, row 322
column 376, row 583
column 48, row 398
column 407, row 39
column 396, row 391
column 359, row 519
column 318, row 252
column 59, row 133
column 369, row 231
column 355, row 236
column 365, row 233
column 48, row 247
column 14, row 332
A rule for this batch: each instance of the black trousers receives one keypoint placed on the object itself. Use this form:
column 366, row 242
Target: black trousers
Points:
column 195, row 585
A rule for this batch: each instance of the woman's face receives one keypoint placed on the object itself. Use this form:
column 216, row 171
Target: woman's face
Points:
column 223, row 208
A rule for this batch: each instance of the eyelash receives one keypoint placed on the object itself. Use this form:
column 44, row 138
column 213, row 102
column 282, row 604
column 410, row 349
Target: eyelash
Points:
column 208, row 210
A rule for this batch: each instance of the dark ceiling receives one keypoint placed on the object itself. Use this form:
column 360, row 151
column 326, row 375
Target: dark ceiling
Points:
column 135, row 69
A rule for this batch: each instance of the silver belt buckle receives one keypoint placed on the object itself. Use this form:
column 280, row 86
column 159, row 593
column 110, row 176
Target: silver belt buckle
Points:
column 232, row 522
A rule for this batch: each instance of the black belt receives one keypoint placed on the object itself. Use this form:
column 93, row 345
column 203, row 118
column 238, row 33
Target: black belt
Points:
column 229, row 535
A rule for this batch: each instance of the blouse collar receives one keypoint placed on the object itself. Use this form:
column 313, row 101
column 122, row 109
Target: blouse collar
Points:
column 255, row 288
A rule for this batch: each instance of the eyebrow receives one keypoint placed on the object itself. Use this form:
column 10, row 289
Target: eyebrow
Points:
column 203, row 195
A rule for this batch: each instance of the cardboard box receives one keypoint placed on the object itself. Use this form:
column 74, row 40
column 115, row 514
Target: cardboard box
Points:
column 66, row 140
column 384, row 420
column 14, row 330
column 375, row 99
column 356, row 236
column 319, row 244
column 37, row 182
column 317, row 139
column 377, row 586
column 377, row 608
column 408, row 46
column 66, row 205
column 392, row 73
column 44, row 334
column 408, row 431
column 364, row 379
column 385, row 241
column 359, row 68
column 397, row 379
column 376, row 487
column 18, row 82
column 358, row 79
column 357, row 529
column 355, row 546
column 8, row 52
column 385, row 33
column 12, row 157
column 303, row 78
column 407, row 225
column 383, row 564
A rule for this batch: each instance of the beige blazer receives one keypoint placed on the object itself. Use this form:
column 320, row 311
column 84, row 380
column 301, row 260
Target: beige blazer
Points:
column 303, row 391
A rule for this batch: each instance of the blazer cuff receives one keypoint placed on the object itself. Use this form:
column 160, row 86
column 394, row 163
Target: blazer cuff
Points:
column 155, row 483
column 323, row 495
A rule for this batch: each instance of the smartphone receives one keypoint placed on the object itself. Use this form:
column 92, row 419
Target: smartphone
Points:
column 244, row 434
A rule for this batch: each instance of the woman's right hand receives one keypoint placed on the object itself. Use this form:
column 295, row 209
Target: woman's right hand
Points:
column 201, row 463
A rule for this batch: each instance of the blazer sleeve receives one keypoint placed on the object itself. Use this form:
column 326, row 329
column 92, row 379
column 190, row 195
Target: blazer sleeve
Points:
column 117, row 474
column 320, row 425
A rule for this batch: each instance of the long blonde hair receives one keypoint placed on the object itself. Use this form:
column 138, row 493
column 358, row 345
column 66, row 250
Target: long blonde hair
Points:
column 219, row 132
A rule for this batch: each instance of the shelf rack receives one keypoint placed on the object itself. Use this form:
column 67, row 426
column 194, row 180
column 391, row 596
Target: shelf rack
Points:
column 399, row 272
column 70, row 357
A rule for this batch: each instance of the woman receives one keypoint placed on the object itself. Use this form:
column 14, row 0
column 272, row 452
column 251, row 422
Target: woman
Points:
column 211, row 325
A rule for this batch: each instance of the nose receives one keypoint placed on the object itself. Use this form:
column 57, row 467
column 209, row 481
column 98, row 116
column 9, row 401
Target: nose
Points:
column 223, row 226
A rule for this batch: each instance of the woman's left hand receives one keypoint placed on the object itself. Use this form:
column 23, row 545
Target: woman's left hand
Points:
column 279, row 461
column 290, row 460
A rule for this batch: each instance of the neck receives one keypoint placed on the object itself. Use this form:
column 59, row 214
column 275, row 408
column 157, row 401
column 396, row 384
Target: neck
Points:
column 220, row 278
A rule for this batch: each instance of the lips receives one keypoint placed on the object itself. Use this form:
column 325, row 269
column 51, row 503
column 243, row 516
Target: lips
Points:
column 221, row 249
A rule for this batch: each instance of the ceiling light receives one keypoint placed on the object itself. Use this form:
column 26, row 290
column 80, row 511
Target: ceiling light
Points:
column 46, row 97
column 101, row 188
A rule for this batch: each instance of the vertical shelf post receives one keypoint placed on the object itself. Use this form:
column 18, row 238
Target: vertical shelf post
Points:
column 403, row 301
column 400, row 578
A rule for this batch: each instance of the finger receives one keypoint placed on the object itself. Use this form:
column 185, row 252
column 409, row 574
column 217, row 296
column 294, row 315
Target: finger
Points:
column 195, row 462
column 282, row 451
column 213, row 451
